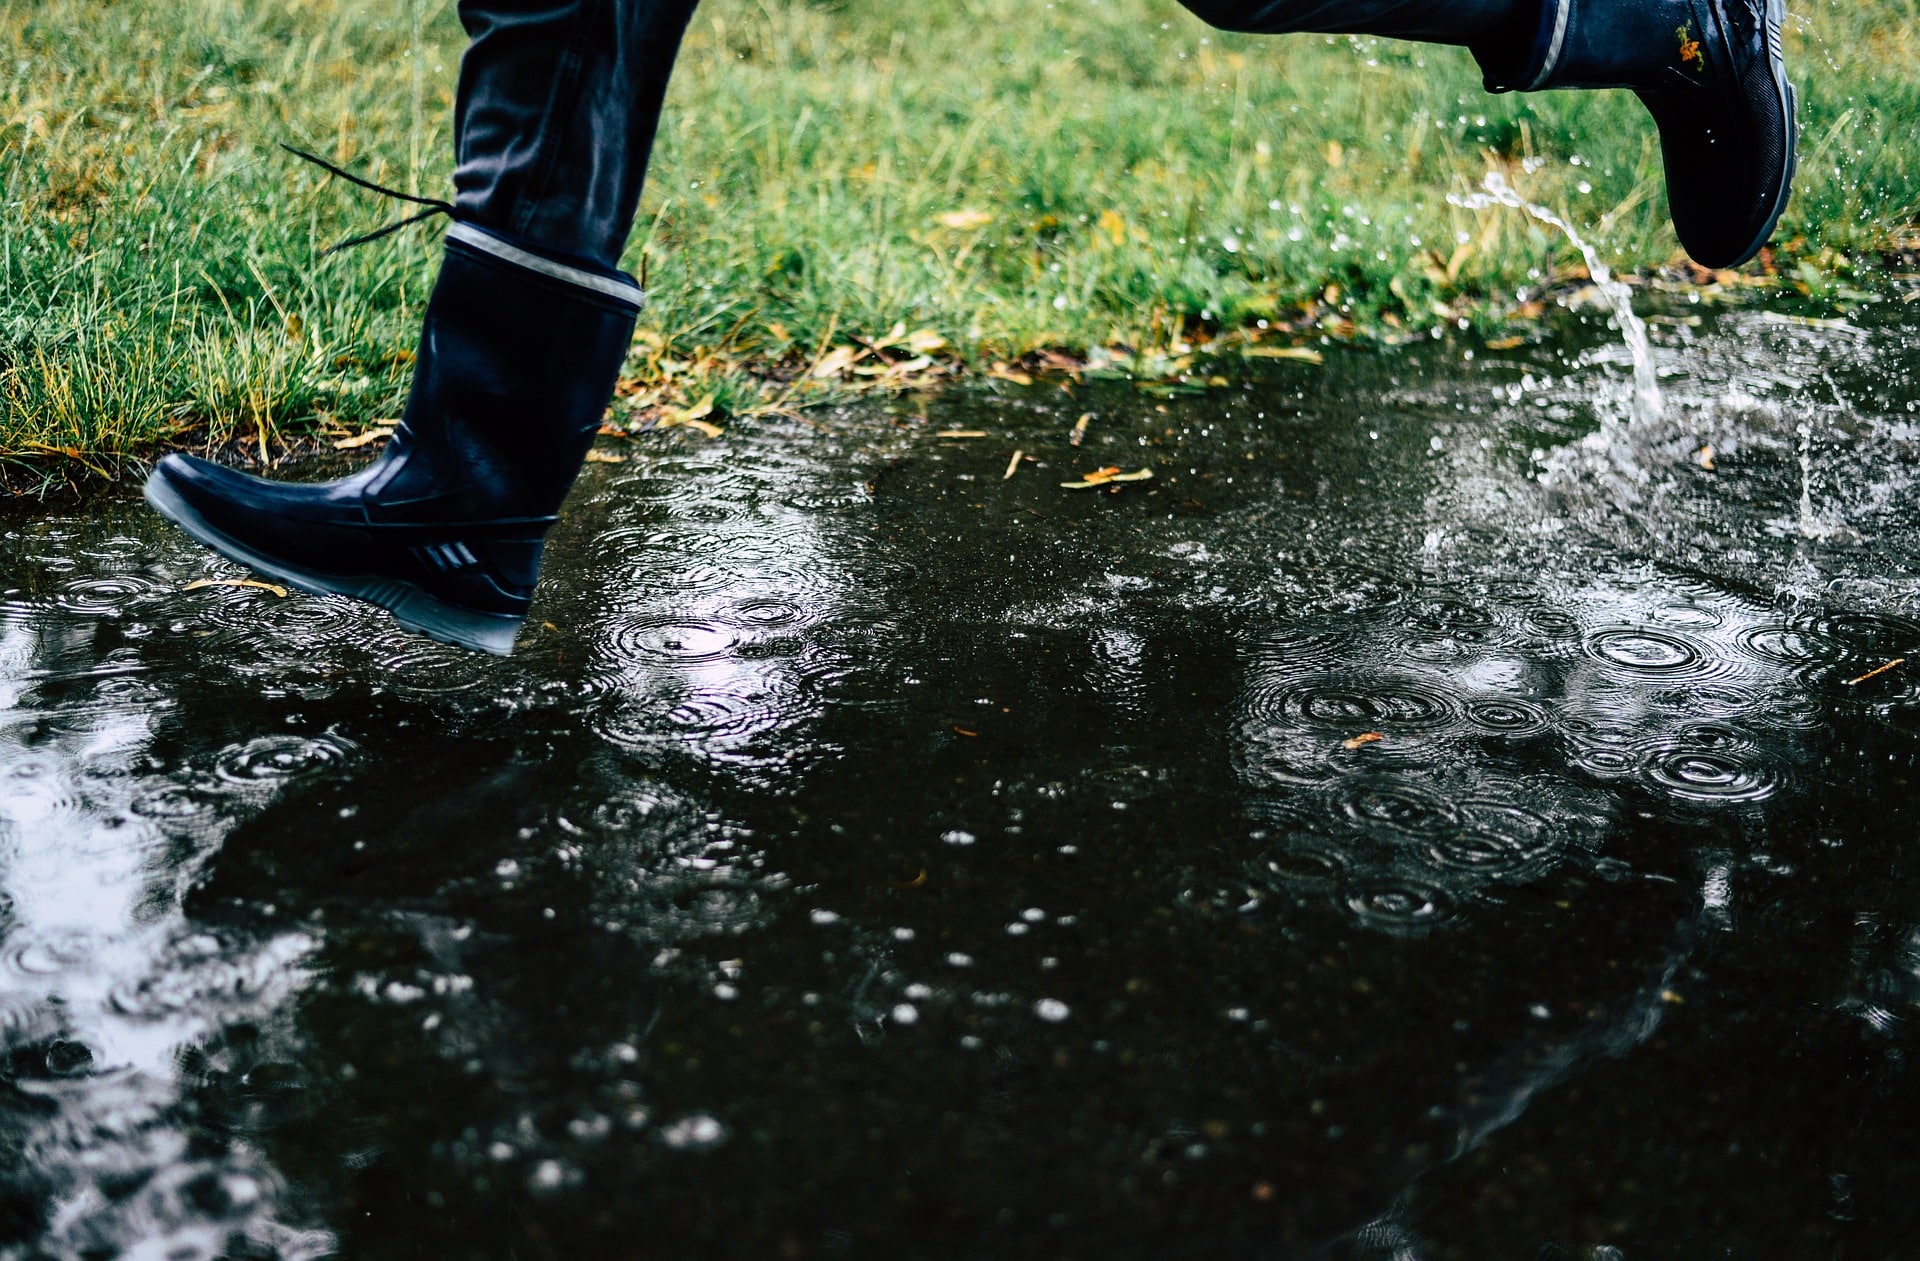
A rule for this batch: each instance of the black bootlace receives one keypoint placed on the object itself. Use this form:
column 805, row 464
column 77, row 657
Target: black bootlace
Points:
column 434, row 206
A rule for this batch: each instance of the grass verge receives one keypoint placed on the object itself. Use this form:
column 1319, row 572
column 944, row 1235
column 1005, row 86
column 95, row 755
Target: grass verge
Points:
column 845, row 196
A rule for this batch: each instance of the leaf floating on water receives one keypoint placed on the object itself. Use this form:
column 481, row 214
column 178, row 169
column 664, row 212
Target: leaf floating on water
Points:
column 605, row 457
column 1874, row 674
column 1013, row 465
column 1300, row 354
column 1080, row 430
column 1507, row 343
column 1705, row 456
column 1107, row 477
column 1001, row 372
column 274, row 587
column 918, row 882
column 961, row 433
column 362, row 439
column 962, row 731
column 1365, row 737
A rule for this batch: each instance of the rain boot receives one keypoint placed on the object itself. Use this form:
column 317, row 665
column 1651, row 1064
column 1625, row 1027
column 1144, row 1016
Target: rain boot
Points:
column 518, row 355
column 1711, row 74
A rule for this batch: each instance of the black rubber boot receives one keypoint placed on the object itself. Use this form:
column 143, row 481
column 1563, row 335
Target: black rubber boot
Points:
column 1711, row 73
column 517, row 359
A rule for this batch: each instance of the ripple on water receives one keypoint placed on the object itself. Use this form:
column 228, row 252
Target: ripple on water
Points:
column 1497, row 840
column 1306, row 862
column 1709, row 764
column 105, row 597
column 47, row 954
column 270, row 760
column 423, row 667
column 1507, row 717
column 1350, row 702
column 1650, row 652
column 1401, row 906
column 1403, row 808
column 656, row 641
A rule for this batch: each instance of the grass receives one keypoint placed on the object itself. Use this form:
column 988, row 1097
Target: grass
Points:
column 844, row 195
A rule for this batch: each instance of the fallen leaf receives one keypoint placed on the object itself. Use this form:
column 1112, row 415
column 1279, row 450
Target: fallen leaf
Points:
column 1365, row 737
column 1013, row 465
column 924, row 341
column 1300, row 354
column 693, row 417
column 362, row 439
column 917, row 882
column 962, row 731
column 1001, row 372
column 961, row 433
column 605, row 457
column 1705, row 457
column 274, row 587
column 964, row 219
column 1080, row 429
column 1107, row 477
column 1507, row 343
column 836, row 361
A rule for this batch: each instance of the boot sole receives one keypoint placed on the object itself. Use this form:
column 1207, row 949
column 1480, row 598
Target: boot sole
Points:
column 1776, row 11
column 413, row 608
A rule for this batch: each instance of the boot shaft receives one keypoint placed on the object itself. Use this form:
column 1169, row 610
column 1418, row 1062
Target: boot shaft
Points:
column 518, row 355
column 1649, row 45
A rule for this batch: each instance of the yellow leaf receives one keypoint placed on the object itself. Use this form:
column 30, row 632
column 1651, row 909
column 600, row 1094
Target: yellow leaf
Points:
column 961, row 433
column 1335, row 154
column 1365, row 737
column 836, row 361
column 1107, row 477
column 692, row 417
column 605, row 457
column 924, row 341
column 964, row 219
column 362, row 439
column 1113, row 225
column 1001, row 372
column 1300, row 354
column 274, row 587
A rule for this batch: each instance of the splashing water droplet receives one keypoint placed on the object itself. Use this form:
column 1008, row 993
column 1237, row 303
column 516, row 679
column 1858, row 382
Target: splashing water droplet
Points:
column 1647, row 403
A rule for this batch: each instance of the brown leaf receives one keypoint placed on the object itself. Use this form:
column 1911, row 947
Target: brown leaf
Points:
column 1365, row 737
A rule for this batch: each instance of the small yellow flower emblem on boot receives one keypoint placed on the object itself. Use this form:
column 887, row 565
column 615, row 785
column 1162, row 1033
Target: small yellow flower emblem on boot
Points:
column 1690, row 53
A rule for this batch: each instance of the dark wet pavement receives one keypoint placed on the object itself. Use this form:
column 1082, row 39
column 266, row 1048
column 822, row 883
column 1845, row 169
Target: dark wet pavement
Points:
column 872, row 855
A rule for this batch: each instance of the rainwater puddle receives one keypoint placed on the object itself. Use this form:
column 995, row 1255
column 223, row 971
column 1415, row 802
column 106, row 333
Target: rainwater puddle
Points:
column 1387, row 832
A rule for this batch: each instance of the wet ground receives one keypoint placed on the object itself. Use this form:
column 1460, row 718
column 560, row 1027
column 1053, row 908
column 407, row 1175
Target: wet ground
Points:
column 1396, row 830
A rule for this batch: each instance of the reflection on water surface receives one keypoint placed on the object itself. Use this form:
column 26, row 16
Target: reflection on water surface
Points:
column 1394, row 831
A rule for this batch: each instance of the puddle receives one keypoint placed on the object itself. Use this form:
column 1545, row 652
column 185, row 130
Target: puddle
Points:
column 1387, row 832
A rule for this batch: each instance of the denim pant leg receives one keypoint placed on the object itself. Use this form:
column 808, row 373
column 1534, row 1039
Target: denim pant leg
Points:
column 554, row 121
column 1486, row 26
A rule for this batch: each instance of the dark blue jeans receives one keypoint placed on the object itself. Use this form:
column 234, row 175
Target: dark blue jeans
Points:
column 559, row 99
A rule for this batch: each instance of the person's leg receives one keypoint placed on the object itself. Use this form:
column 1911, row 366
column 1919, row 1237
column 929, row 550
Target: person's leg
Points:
column 523, row 337
column 1709, row 71
column 555, row 117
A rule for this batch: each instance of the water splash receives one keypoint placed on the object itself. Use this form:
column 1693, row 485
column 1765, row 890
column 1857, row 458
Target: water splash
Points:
column 1647, row 404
